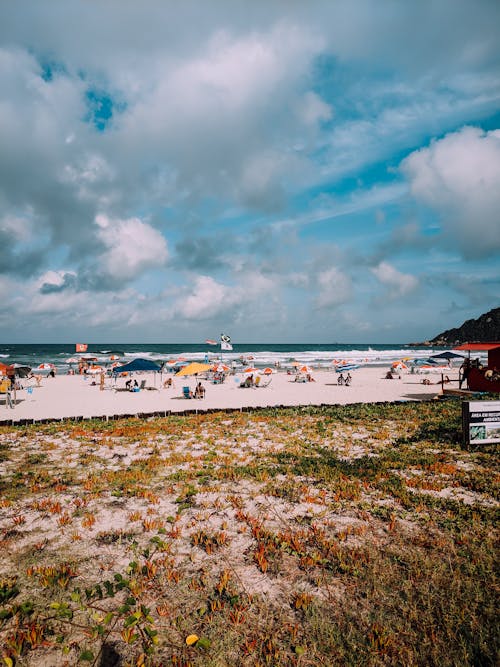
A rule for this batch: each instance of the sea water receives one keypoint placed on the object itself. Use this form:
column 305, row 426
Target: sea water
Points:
column 259, row 355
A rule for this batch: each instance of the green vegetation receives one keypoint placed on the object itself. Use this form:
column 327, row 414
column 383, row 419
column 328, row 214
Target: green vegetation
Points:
column 357, row 535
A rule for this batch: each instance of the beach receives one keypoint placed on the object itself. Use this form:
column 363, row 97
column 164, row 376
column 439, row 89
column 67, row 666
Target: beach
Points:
column 67, row 396
column 341, row 534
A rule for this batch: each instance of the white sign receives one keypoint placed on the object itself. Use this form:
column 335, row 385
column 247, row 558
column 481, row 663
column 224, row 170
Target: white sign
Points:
column 481, row 420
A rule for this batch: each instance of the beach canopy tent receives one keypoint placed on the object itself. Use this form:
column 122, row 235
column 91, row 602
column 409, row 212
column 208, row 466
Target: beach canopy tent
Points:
column 478, row 347
column 493, row 350
column 447, row 355
column 137, row 366
column 193, row 369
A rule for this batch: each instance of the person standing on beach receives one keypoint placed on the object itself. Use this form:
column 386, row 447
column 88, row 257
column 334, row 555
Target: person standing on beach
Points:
column 464, row 373
column 8, row 395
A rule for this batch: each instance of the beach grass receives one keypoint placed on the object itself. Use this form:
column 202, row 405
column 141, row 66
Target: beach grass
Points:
column 354, row 535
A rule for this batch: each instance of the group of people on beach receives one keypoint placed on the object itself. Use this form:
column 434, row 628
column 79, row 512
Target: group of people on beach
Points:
column 345, row 381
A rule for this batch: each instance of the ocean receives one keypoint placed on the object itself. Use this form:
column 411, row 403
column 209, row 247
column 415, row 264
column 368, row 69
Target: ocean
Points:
column 316, row 355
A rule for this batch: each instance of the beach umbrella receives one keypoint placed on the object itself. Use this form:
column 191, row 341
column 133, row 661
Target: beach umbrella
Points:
column 45, row 367
column 306, row 369
column 250, row 369
column 193, row 369
column 220, row 368
column 399, row 366
column 175, row 362
column 71, row 360
column 94, row 370
column 21, row 370
column 114, row 357
column 267, row 371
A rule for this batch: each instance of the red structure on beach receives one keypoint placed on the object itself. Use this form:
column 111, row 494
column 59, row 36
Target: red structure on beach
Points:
column 484, row 378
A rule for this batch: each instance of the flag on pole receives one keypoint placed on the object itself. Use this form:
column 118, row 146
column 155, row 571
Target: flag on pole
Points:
column 225, row 342
column 81, row 347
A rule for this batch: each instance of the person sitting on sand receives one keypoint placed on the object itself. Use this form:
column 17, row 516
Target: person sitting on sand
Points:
column 426, row 381
column 199, row 392
column 389, row 376
column 128, row 384
column 310, row 378
column 168, row 383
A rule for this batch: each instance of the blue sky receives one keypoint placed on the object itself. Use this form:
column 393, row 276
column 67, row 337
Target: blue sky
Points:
column 286, row 171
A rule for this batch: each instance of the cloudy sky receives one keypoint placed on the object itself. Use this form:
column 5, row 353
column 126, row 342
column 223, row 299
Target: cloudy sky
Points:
column 280, row 170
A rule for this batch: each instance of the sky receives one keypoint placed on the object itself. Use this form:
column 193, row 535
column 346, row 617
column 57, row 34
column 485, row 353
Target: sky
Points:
column 282, row 171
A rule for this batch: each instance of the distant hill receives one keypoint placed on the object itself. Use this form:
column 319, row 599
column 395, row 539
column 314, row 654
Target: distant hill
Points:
column 485, row 328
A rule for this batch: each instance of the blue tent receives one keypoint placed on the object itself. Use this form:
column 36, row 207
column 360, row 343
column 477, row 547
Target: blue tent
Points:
column 137, row 365
column 447, row 355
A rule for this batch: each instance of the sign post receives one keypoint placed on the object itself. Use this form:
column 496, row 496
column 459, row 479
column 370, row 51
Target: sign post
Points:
column 481, row 422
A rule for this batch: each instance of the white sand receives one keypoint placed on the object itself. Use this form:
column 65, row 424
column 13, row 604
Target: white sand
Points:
column 73, row 396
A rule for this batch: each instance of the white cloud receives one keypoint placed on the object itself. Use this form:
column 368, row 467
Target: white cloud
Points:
column 334, row 288
column 459, row 177
column 398, row 284
column 53, row 278
column 133, row 247
column 311, row 109
column 208, row 298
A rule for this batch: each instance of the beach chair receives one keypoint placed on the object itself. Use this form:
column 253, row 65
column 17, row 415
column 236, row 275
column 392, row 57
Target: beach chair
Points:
column 186, row 392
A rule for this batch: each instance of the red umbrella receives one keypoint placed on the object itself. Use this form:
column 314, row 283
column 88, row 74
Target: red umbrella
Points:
column 45, row 367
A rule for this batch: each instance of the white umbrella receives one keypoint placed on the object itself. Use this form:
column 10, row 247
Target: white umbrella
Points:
column 220, row 368
column 45, row 367
column 94, row 370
